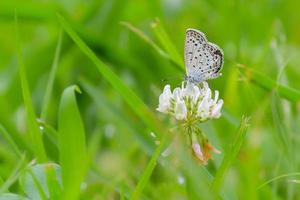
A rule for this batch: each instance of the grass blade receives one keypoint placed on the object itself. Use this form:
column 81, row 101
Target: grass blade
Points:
column 14, row 175
column 72, row 145
column 267, row 83
column 105, row 106
column 231, row 154
column 54, row 187
column 10, row 140
column 145, row 38
column 34, row 131
column 50, row 83
column 277, row 178
column 164, row 39
column 128, row 95
column 148, row 171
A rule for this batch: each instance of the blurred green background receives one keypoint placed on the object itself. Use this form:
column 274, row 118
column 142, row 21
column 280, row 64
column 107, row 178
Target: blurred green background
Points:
column 142, row 43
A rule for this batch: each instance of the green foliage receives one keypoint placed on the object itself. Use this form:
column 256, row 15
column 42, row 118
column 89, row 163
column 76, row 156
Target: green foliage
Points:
column 42, row 181
column 34, row 131
column 109, row 142
column 72, row 145
column 230, row 154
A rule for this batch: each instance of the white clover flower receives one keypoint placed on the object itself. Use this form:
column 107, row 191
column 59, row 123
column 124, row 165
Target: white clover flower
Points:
column 165, row 100
column 180, row 110
column 190, row 102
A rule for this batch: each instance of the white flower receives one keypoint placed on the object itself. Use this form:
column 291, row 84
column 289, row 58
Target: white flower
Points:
column 165, row 100
column 191, row 100
column 180, row 110
column 216, row 111
column 191, row 91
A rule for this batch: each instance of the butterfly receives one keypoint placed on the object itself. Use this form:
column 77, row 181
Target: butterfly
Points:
column 203, row 60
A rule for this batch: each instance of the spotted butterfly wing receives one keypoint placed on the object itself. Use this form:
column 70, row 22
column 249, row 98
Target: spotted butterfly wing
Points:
column 203, row 60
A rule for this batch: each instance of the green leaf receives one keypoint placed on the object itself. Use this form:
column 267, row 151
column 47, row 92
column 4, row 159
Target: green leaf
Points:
column 50, row 83
column 39, row 181
column 267, row 83
column 128, row 95
column 11, row 196
column 231, row 154
column 34, row 131
column 72, row 145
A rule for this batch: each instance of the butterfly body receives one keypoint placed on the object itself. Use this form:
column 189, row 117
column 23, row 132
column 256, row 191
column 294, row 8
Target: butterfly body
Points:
column 203, row 60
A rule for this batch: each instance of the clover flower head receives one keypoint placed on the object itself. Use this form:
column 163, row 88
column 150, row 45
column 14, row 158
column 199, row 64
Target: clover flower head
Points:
column 190, row 104
column 190, row 101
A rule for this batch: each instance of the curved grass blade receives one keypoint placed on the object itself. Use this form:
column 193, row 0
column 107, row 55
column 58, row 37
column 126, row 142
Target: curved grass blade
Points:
column 277, row 178
column 269, row 84
column 145, row 38
column 164, row 39
column 231, row 154
column 50, row 83
column 128, row 95
column 72, row 145
column 34, row 131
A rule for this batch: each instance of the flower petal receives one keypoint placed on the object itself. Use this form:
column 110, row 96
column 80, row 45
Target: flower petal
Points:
column 180, row 110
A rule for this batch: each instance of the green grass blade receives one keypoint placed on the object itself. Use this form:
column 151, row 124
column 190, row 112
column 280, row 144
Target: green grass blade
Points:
column 267, row 83
column 231, row 154
column 50, row 83
column 164, row 39
column 72, row 145
column 14, row 175
column 146, row 38
column 54, row 187
column 120, row 118
column 34, row 131
column 277, row 178
column 10, row 140
column 41, row 181
column 128, row 95
column 148, row 171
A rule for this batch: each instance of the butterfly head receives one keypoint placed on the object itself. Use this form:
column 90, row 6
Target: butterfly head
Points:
column 193, row 79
